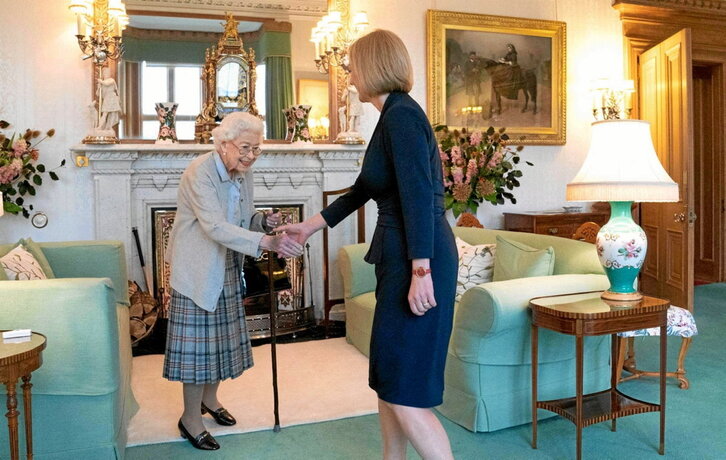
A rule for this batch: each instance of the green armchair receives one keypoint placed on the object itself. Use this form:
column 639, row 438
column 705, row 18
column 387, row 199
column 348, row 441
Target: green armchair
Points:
column 488, row 368
column 82, row 399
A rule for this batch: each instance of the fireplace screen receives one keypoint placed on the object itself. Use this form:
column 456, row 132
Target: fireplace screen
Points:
column 288, row 279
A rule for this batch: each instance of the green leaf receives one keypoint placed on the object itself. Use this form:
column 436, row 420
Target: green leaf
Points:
column 31, row 190
column 30, row 167
column 506, row 165
column 11, row 207
column 448, row 201
column 26, row 214
column 41, row 168
column 63, row 162
column 529, row 163
column 53, row 175
column 517, row 173
column 19, row 201
column 438, row 128
column 11, row 191
column 37, row 180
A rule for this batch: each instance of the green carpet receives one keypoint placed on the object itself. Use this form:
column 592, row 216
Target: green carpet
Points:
column 695, row 418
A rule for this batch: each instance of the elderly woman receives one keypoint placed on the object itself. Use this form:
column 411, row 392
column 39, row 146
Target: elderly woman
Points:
column 412, row 248
column 207, row 339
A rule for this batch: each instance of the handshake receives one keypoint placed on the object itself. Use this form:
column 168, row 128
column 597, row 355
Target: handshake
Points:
column 287, row 240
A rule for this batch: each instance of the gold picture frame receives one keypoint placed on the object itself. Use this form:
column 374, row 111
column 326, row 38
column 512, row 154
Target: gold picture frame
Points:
column 475, row 59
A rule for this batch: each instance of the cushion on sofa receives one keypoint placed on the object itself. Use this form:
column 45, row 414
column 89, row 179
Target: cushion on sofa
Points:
column 517, row 260
column 476, row 265
column 37, row 255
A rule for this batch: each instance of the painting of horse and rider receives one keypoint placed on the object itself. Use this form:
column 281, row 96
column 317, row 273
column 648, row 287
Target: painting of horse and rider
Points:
column 487, row 72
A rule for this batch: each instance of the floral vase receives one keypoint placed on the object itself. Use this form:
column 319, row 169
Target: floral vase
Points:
column 166, row 112
column 299, row 117
column 290, row 123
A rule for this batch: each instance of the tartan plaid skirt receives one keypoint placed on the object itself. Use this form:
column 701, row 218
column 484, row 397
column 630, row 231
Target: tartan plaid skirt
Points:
column 206, row 347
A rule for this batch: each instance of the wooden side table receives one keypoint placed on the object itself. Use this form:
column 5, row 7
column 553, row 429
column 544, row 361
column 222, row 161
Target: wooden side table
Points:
column 586, row 314
column 18, row 360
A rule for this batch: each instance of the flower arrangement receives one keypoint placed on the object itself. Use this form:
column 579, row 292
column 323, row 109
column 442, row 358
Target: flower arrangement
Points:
column 20, row 172
column 478, row 166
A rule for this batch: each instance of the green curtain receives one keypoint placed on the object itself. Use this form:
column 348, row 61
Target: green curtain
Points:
column 165, row 51
column 278, row 94
column 275, row 49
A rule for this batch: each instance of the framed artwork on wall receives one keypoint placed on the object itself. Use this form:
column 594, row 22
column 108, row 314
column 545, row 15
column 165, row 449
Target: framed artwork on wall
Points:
column 315, row 93
column 498, row 71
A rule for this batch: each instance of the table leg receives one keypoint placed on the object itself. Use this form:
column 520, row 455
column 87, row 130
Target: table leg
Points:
column 614, row 376
column 663, row 350
column 12, row 415
column 578, row 400
column 27, row 409
column 535, row 358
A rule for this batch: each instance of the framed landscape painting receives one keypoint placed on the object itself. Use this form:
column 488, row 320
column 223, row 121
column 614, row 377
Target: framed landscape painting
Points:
column 498, row 71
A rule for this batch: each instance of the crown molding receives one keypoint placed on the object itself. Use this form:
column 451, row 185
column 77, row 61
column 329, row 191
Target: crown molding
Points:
column 270, row 8
column 685, row 5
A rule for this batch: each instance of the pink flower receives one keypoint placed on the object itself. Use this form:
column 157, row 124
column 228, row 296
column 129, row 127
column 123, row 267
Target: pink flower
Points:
column 458, row 174
column 305, row 133
column 495, row 159
column 455, row 154
column 299, row 114
column 19, row 147
column 475, row 138
column 471, row 170
column 443, row 155
column 34, row 154
column 448, row 183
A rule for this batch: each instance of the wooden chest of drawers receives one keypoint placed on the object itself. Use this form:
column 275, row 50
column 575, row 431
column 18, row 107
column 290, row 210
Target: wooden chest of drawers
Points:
column 552, row 223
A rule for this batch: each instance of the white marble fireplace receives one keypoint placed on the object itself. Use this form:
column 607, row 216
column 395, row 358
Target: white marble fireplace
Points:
column 132, row 179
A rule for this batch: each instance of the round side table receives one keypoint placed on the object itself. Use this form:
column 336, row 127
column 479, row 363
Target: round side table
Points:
column 18, row 358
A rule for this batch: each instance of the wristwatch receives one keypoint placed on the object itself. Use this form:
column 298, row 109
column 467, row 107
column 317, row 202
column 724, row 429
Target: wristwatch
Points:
column 421, row 272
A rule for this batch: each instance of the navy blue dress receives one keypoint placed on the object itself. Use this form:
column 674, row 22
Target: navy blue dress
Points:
column 402, row 173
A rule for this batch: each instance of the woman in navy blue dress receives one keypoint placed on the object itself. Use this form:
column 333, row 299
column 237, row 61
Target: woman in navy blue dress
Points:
column 412, row 248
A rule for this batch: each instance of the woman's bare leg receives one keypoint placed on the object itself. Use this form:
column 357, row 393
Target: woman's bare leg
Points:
column 424, row 430
column 394, row 439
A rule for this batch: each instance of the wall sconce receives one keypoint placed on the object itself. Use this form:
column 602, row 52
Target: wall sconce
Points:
column 99, row 24
column 333, row 35
column 611, row 99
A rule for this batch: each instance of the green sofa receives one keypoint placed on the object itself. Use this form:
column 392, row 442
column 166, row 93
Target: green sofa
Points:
column 82, row 399
column 488, row 369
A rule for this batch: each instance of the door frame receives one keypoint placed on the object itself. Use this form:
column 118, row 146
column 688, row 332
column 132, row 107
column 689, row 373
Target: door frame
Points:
column 647, row 22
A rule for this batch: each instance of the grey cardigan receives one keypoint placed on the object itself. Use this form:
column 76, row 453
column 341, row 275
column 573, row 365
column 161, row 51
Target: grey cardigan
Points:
column 201, row 235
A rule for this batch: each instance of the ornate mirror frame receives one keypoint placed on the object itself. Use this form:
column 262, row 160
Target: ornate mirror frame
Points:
column 229, row 49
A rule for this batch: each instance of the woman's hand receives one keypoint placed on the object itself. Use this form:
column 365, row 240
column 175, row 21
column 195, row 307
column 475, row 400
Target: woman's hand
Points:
column 302, row 231
column 421, row 293
column 273, row 219
column 281, row 244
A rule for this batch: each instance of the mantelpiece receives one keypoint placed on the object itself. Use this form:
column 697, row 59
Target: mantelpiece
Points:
column 129, row 180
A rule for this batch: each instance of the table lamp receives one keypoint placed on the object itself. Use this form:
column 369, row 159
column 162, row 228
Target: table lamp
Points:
column 621, row 167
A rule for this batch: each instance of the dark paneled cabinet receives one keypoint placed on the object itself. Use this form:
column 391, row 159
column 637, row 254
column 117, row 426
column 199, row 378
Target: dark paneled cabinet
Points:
column 561, row 224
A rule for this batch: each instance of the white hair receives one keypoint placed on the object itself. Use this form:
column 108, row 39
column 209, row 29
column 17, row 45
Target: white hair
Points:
column 234, row 124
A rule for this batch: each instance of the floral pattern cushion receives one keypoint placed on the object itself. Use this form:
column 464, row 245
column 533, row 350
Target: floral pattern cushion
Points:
column 476, row 265
column 19, row 264
column 680, row 322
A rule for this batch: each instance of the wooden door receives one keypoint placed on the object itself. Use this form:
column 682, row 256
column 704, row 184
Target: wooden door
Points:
column 665, row 100
column 708, row 172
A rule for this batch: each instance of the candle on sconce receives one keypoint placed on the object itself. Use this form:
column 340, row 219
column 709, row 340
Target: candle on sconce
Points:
column 116, row 28
column 79, row 25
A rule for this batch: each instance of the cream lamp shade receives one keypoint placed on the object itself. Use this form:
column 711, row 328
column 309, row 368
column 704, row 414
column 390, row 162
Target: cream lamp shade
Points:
column 622, row 165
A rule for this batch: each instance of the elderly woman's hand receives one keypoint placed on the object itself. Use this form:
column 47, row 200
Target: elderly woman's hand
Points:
column 273, row 219
column 281, row 244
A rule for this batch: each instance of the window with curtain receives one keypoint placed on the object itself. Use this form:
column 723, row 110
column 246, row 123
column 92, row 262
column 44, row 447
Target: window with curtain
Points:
column 170, row 83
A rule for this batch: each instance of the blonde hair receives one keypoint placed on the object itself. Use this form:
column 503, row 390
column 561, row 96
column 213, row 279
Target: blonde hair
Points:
column 234, row 124
column 381, row 63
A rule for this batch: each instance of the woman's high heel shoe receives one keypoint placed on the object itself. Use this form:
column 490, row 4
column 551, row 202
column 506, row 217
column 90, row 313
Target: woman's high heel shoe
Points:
column 221, row 416
column 203, row 440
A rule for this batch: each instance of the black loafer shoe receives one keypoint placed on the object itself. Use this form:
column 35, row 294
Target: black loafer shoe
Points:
column 203, row 441
column 221, row 416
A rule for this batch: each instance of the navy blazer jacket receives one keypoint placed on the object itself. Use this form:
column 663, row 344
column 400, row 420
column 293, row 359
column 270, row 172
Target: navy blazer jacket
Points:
column 402, row 172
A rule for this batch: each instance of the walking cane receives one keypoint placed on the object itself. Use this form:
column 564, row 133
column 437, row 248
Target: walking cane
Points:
column 273, row 343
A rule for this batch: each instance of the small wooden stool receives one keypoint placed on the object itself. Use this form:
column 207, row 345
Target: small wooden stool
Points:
column 680, row 323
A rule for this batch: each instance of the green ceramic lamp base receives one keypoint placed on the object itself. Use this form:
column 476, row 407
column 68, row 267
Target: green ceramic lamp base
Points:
column 621, row 247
